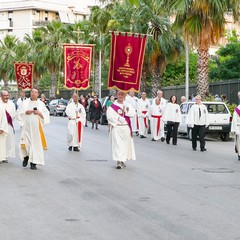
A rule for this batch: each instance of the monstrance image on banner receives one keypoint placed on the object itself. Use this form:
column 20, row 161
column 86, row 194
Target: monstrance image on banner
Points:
column 77, row 65
column 127, row 55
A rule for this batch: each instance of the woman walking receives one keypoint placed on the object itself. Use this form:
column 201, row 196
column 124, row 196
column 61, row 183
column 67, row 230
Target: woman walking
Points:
column 95, row 111
column 172, row 118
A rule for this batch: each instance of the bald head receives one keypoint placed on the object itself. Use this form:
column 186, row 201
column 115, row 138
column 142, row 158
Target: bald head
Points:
column 5, row 96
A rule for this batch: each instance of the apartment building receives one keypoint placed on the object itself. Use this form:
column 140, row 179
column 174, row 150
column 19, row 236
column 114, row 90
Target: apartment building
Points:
column 23, row 16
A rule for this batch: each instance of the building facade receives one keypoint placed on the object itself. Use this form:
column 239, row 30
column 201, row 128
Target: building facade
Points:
column 21, row 17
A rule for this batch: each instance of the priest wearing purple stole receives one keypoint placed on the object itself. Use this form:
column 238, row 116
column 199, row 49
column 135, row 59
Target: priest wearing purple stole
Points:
column 118, row 115
column 235, row 128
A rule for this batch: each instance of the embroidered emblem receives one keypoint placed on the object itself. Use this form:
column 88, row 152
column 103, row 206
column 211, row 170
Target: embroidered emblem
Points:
column 120, row 111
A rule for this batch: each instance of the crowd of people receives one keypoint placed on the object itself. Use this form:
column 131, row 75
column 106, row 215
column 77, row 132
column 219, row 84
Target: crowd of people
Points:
column 127, row 116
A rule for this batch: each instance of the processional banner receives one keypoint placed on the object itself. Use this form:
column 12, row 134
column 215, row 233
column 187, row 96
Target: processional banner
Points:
column 24, row 74
column 77, row 65
column 127, row 55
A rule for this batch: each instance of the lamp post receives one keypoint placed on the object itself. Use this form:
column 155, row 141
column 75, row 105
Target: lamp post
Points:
column 100, row 67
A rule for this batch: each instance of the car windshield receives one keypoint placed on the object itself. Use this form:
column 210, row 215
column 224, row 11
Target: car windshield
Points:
column 62, row 102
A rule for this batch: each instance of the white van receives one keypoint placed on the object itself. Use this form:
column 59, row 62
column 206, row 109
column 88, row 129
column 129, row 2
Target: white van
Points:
column 219, row 119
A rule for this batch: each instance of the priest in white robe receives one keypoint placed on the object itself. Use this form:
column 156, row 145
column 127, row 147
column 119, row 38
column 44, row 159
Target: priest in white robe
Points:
column 235, row 128
column 77, row 119
column 33, row 115
column 133, row 100
column 142, row 111
column 3, row 134
column 118, row 115
column 10, row 110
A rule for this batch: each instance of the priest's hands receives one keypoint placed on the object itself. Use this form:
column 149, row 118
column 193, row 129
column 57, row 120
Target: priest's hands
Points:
column 28, row 112
column 121, row 119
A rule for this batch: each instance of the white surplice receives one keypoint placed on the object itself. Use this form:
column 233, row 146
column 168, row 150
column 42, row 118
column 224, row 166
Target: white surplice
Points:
column 120, row 135
column 3, row 136
column 10, row 139
column 133, row 101
column 30, row 134
column 142, row 111
column 155, row 116
column 235, row 128
column 76, row 113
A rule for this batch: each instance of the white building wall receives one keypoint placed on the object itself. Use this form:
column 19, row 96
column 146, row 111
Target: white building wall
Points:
column 22, row 23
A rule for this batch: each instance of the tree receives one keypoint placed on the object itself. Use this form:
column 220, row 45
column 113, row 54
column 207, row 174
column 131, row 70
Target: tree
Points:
column 7, row 57
column 203, row 23
column 51, row 55
column 226, row 65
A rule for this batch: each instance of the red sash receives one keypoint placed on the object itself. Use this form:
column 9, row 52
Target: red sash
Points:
column 145, row 119
column 79, row 126
column 158, row 122
column 116, row 108
column 237, row 111
column 9, row 119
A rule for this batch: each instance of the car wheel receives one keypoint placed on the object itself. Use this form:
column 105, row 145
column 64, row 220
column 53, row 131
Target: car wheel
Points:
column 224, row 136
column 189, row 134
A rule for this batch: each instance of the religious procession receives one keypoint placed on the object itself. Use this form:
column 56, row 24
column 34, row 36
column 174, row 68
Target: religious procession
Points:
column 128, row 116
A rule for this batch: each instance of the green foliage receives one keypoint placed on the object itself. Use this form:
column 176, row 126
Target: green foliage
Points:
column 175, row 72
column 226, row 66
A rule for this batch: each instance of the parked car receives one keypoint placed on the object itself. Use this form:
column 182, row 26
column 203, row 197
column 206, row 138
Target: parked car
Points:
column 219, row 119
column 57, row 106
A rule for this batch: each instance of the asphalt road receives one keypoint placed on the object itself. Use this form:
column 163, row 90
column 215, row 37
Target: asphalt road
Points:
column 168, row 193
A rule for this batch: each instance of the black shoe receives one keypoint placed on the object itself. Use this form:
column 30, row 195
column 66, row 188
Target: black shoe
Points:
column 174, row 144
column 194, row 149
column 137, row 133
column 76, row 149
column 86, row 125
column 70, row 148
column 239, row 158
column 141, row 136
column 33, row 166
column 97, row 128
column 203, row 149
column 167, row 142
column 162, row 139
column 25, row 161
column 153, row 140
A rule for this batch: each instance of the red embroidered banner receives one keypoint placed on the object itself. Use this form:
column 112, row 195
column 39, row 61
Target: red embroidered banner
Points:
column 24, row 74
column 77, row 65
column 127, row 55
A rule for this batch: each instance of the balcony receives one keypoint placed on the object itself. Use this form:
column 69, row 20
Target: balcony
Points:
column 39, row 23
column 6, row 24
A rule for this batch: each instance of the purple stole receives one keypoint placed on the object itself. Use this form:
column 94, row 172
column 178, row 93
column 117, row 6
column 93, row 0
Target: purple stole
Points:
column 116, row 108
column 237, row 111
column 9, row 119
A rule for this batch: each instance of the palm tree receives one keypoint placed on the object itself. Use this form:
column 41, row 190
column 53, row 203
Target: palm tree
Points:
column 7, row 58
column 164, row 46
column 99, row 20
column 51, row 54
column 203, row 22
